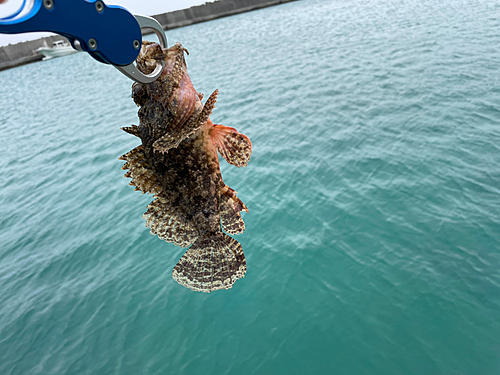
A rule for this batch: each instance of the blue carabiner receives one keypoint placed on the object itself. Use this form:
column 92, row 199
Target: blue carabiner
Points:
column 110, row 34
column 87, row 22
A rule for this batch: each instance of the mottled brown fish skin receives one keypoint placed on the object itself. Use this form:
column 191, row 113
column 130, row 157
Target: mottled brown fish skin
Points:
column 191, row 179
column 178, row 163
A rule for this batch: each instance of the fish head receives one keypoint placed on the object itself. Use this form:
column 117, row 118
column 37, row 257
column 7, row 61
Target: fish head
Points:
column 173, row 89
column 149, row 56
column 152, row 52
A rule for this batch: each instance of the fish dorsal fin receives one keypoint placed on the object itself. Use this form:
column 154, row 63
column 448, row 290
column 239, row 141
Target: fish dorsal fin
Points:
column 235, row 147
column 230, row 207
column 162, row 217
column 143, row 177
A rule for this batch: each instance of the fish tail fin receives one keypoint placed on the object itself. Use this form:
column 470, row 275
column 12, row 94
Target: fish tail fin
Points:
column 230, row 207
column 233, row 146
column 212, row 263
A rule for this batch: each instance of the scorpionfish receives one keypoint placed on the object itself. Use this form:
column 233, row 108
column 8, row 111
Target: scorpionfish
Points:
column 177, row 161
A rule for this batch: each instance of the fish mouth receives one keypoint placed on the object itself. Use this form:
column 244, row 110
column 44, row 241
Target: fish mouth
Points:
column 149, row 56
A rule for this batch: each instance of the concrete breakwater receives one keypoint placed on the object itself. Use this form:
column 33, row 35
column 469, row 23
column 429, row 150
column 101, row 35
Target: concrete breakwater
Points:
column 210, row 11
column 24, row 53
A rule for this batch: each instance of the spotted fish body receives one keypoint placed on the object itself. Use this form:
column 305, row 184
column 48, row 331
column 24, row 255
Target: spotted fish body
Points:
column 178, row 163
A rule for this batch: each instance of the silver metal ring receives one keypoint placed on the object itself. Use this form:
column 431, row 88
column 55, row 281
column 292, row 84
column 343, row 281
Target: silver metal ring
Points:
column 150, row 24
column 131, row 70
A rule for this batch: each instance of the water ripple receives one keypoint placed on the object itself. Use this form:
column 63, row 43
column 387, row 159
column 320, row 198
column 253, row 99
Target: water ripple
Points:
column 373, row 233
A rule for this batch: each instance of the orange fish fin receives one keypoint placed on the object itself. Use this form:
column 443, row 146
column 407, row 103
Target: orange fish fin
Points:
column 173, row 138
column 143, row 177
column 168, row 224
column 235, row 147
column 230, row 207
column 212, row 263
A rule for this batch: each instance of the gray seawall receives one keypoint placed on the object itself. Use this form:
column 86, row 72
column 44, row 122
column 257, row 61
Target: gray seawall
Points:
column 210, row 11
column 24, row 53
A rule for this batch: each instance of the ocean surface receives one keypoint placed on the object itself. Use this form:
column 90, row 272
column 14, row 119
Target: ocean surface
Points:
column 373, row 238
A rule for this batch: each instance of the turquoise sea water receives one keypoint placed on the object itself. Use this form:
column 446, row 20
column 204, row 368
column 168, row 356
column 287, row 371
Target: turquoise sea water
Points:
column 373, row 238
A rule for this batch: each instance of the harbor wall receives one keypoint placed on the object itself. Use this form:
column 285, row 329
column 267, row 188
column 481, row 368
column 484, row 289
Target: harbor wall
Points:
column 24, row 53
column 210, row 11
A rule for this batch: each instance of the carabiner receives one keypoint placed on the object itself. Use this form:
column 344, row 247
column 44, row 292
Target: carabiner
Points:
column 110, row 34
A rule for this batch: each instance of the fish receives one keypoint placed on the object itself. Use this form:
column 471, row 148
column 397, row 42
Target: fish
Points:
column 177, row 161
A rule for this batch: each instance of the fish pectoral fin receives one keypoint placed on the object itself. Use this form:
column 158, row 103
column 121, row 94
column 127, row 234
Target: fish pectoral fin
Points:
column 143, row 177
column 230, row 207
column 235, row 147
column 164, row 221
column 174, row 137
column 212, row 263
